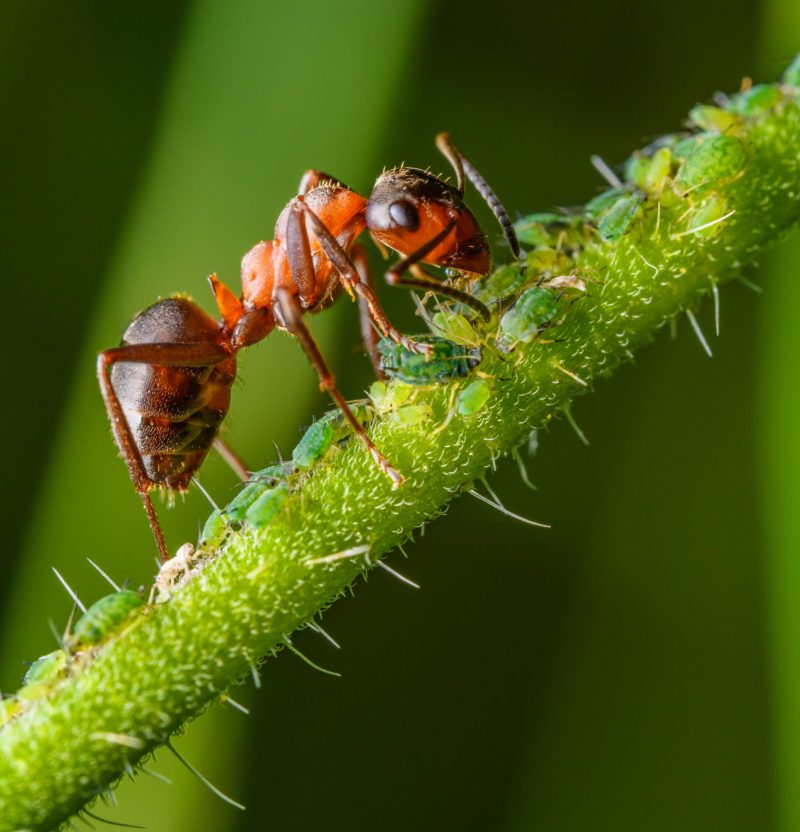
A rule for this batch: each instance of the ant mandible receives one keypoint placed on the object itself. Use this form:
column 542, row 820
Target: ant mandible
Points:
column 167, row 387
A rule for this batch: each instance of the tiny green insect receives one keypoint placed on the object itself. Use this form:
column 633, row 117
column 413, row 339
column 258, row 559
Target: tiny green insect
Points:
column 596, row 207
column 388, row 397
column 9, row 708
column 500, row 284
column 713, row 119
column 533, row 312
column 757, row 100
column 103, row 617
column 473, row 398
column 617, row 220
column 448, row 360
column 266, row 506
column 214, row 530
column 330, row 428
column 711, row 159
column 46, row 668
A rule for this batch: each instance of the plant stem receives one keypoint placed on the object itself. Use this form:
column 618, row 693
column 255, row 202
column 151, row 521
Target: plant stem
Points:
column 657, row 254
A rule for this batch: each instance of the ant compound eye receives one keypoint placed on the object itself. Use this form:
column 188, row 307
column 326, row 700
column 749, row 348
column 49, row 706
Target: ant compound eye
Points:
column 405, row 215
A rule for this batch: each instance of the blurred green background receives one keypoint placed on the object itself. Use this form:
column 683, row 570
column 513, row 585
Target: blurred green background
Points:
column 636, row 666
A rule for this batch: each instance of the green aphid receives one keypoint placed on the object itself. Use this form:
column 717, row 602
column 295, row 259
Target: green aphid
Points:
column 792, row 74
column 454, row 327
column 47, row 668
column 262, row 511
column 757, row 100
column 388, row 397
column 712, row 159
column 538, row 229
column 533, row 312
column 9, row 708
column 650, row 172
column 713, row 119
column 617, row 220
column 273, row 473
column 501, row 283
column 546, row 261
column 322, row 434
column 446, row 362
column 214, row 530
column 596, row 207
column 237, row 507
column 686, row 145
column 707, row 216
column 473, row 397
column 412, row 414
column 103, row 617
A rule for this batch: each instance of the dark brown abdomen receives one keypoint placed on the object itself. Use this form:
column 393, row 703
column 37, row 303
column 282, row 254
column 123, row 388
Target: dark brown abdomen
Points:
column 173, row 412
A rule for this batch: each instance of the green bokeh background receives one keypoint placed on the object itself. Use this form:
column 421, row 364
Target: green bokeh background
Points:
column 636, row 666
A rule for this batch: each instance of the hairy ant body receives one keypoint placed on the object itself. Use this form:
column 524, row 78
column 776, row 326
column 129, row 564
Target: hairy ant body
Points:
column 167, row 387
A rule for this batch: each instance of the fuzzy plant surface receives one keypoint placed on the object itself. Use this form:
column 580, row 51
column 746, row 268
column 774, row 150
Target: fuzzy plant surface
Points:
column 691, row 210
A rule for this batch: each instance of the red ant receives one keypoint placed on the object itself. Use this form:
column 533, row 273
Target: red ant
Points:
column 167, row 387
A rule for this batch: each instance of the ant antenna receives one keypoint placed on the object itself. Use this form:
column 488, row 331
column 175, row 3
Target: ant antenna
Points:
column 203, row 780
column 605, row 171
column 503, row 510
column 103, row 574
column 397, row 574
column 70, row 591
column 288, row 642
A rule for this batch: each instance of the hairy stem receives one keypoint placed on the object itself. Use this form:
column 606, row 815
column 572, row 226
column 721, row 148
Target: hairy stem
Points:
column 688, row 218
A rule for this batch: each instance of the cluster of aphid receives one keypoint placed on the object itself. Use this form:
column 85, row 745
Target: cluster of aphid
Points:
column 104, row 619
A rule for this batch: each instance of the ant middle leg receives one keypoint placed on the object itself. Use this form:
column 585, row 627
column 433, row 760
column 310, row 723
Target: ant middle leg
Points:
column 292, row 313
column 369, row 335
column 461, row 165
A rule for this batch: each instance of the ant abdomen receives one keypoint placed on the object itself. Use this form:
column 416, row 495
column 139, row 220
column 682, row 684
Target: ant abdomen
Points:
column 173, row 410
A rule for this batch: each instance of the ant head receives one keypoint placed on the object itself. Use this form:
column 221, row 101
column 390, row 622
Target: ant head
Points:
column 408, row 207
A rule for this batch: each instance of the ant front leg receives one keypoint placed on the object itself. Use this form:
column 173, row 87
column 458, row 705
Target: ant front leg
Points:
column 421, row 279
column 298, row 252
column 462, row 165
column 292, row 313
column 176, row 355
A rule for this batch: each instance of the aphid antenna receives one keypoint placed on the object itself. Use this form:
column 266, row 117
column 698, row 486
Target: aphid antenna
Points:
column 221, row 795
column 317, row 628
column 70, row 591
column 227, row 699
column 602, row 167
column 503, row 510
column 288, row 642
column 205, row 493
column 112, row 822
column 715, row 294
column 567, row 411
column 398, row 575
column 103, row 574
column 698, row 332
column 523, row 469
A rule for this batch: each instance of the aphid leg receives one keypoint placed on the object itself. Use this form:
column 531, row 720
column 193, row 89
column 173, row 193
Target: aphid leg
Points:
column 368, row 334
column 233, row 459
column 292, row 317
column 462, row 165
column 169, row 355
column 299, row 256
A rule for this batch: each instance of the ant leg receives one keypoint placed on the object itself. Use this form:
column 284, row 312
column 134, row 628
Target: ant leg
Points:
column 196, row 355
column 368, row 334
column 233, row 459
column 298, row 253
column 291, row 313
column 423, row 280
column 462, row 165
column 314, row 178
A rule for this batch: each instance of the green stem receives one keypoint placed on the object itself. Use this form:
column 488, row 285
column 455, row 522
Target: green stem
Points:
column 178, row 657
